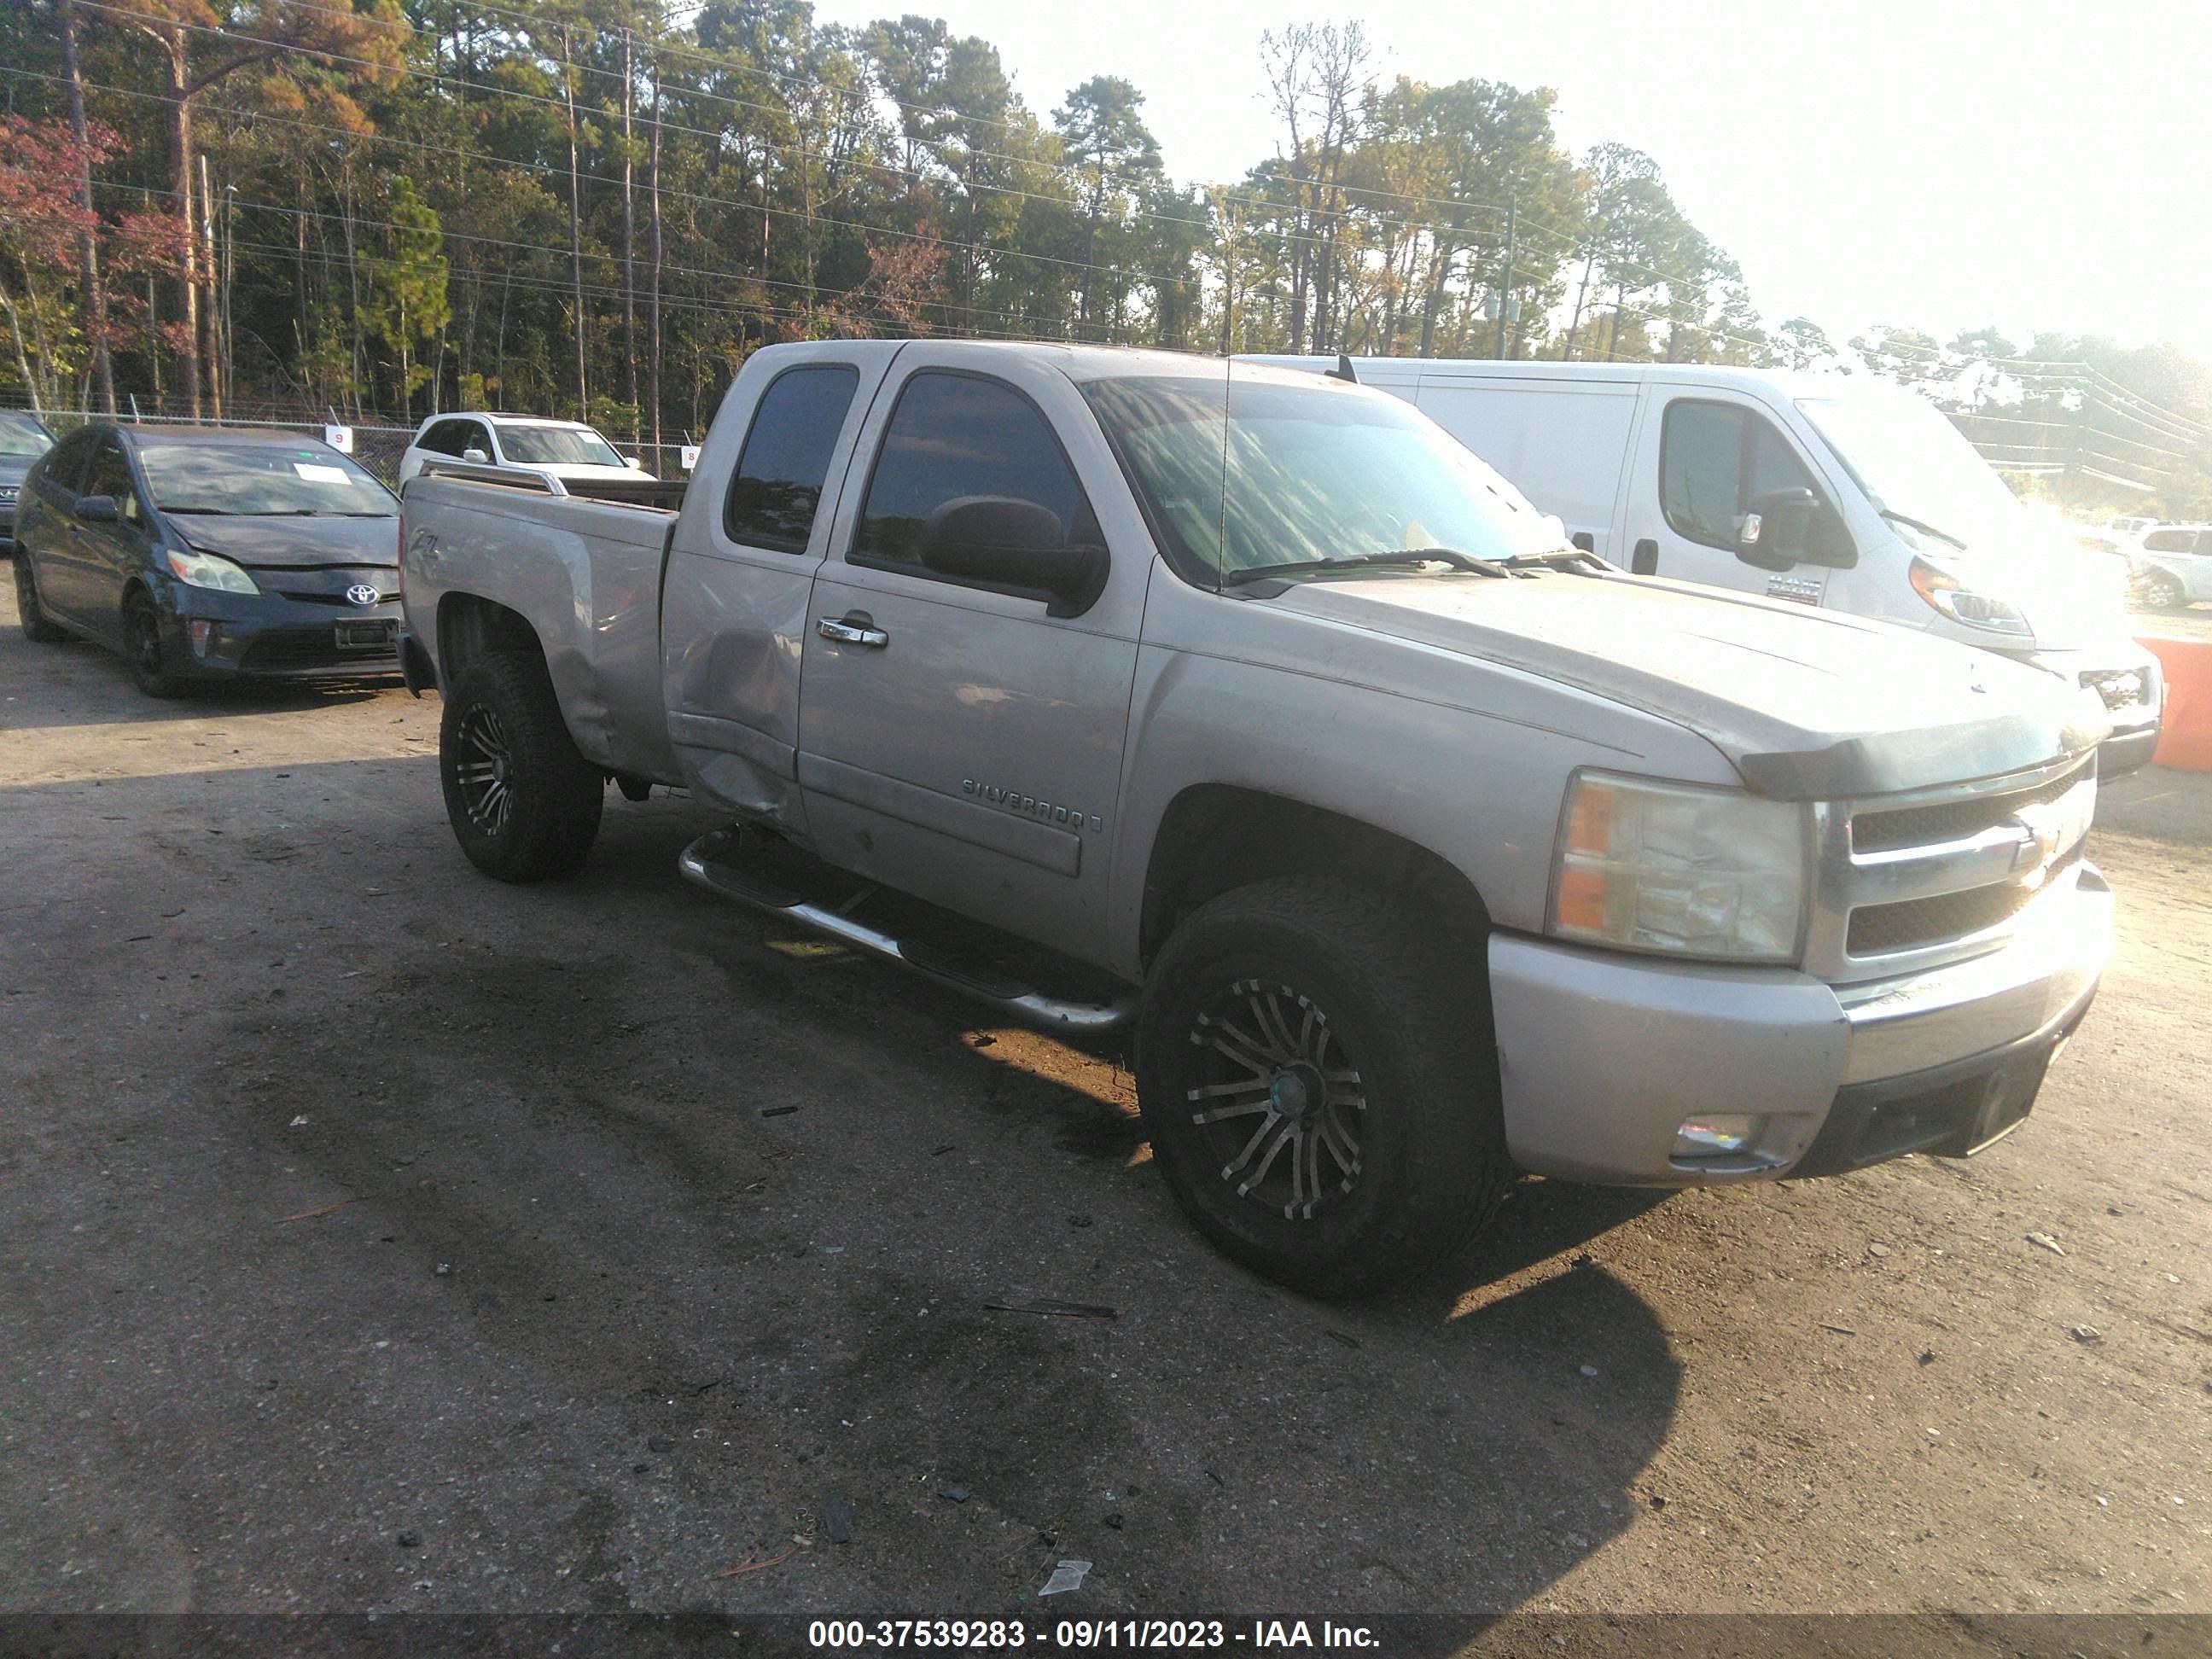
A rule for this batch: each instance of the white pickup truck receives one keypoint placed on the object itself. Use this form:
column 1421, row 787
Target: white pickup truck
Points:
column 1248, row 707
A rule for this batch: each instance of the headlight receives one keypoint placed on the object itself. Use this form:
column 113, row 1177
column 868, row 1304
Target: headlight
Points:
column 1670, row 867
column 205, row 570
column 1961, row 604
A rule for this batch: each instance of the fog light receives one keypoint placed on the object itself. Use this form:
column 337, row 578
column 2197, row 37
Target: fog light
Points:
column 203, row 635
column 1715, row 1134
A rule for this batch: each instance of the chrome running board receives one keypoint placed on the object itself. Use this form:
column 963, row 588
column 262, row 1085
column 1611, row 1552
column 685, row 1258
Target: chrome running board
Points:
column 713, row 862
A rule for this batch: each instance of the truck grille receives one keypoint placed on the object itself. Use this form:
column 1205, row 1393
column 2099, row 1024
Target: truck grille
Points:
column 1907, row 883
column 1877, row 928
column 1952, row 820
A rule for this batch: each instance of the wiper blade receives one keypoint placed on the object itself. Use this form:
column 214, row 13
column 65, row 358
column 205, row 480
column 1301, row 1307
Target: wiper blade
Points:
column 1559, row 558
column 202, row 511
column 1929, row 529
column 1412, row 558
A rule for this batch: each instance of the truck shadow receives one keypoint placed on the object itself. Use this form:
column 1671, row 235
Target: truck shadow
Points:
column 593, row 1210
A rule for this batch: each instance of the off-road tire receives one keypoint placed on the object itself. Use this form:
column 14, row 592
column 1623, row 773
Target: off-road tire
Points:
column 546, row 819
column 38, row 627
column 147, row 652
column 1413, row 1022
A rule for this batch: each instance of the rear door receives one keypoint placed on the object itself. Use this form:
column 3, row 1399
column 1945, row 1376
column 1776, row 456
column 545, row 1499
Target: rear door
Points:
column 734, row 609
column 1703, row 456
column 955, row 741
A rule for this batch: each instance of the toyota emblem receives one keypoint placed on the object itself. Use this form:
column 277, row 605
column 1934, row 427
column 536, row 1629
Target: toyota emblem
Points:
column 363, row 593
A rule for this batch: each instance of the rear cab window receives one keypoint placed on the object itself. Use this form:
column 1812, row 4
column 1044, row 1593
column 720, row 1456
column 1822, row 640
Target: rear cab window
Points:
column 777, row 488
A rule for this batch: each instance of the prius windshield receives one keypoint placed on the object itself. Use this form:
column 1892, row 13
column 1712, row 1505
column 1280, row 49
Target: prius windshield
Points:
column 1913, row 464
column 262, row 481
column 556, row 445
column 1260, row 474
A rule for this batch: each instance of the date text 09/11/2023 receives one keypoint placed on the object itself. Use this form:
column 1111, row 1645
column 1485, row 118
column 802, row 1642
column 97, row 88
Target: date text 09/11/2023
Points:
column 1259, row 1635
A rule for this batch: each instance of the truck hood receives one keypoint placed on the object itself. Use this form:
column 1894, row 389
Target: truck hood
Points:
column 293, row 542
column 1805, row 704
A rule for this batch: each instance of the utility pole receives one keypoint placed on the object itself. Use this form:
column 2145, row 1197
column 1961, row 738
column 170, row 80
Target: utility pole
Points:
column 1505, row 289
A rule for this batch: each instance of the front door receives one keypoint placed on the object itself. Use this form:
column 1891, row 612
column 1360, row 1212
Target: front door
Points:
column 108, row 554
column 956, row 742
column 1703, row 458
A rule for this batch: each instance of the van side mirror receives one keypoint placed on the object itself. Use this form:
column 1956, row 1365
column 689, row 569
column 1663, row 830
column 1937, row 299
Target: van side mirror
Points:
column 1014, row 544
column 472, row 454
column 97, row 509
column 634, row 463
column 1794, row 526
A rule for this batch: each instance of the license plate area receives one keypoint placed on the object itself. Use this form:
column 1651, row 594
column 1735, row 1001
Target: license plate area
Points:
column 380, row 633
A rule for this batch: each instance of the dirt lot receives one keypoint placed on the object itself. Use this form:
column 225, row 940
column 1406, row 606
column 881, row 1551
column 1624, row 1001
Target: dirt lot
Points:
column 376, row 1237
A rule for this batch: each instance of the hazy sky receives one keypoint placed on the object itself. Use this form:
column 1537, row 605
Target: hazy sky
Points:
column 1941, row 165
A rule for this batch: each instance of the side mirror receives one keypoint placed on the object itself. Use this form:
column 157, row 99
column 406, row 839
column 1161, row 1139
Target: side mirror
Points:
column 634, row 463
column 476, row 455
column 1778, row 528
column 97, row 509
column 1015, row 545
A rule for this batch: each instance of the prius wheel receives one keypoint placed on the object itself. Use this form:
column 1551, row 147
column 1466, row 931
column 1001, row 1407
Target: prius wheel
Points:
column 1320, row 1087
column 146, row 650
column 523, row 803
column 2161, row 592
column 38, row 627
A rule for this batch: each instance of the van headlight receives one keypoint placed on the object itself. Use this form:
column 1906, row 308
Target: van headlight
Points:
column 1952, row 597
column 1674, row 868
column 205, row 570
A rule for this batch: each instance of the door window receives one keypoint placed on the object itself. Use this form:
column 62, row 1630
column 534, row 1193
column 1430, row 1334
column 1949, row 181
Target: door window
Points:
column 1714, row 459
column 786, row 459
column 2167, row 541
column 64, row 468
column 954, row 435
column 111, row 475
column 446, row 438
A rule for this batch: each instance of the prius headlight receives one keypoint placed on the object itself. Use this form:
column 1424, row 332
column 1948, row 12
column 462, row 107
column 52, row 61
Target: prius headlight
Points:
column 1671, row 867
column 205, row 570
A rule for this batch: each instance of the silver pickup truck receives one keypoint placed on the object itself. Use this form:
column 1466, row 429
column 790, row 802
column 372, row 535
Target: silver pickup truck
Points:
column 1247, row 707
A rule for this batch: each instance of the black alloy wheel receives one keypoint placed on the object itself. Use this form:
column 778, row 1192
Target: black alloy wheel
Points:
column 523, row 803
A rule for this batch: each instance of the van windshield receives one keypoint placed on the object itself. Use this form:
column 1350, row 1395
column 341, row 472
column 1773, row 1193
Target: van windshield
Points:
column 1914, row 463
column 1258, row 475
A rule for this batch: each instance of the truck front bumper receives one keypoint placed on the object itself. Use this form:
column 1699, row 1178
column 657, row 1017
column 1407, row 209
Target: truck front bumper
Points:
column 1603, row 1056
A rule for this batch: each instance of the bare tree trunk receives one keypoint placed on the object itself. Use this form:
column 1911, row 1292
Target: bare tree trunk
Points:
column 212, row 306
column 177, row 109
column 652, row 210
column 575, row 225
column 88, row 243
column 22, row 363
column 630, row 239
column 1444, row 257
column 1582, row 296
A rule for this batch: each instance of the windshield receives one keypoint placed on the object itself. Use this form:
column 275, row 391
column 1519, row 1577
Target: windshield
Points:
column 260, row 479
column 1910, row 461
column 556, row 445
column 1303, row 474
column 22, row 435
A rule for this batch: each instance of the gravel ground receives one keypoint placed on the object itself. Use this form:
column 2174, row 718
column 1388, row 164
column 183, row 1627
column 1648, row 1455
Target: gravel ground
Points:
column 374, row 1237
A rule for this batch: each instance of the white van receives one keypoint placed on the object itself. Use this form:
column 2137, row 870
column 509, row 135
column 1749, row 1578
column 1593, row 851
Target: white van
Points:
column 1829, row 491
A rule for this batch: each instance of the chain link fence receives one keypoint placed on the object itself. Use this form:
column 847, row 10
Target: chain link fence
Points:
column 377, row 448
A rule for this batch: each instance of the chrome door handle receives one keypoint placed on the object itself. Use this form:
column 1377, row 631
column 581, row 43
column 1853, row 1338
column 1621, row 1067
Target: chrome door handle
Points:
column 845, row 633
